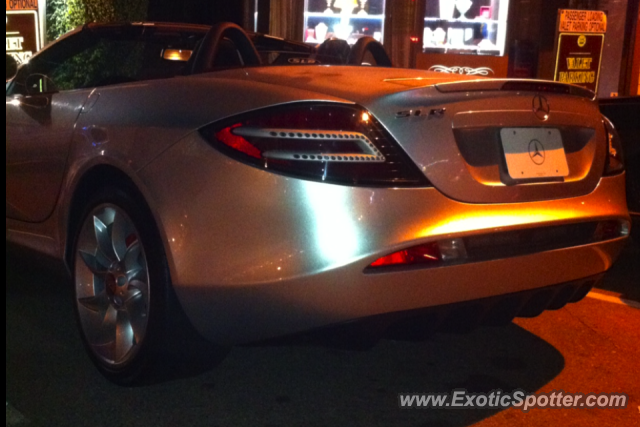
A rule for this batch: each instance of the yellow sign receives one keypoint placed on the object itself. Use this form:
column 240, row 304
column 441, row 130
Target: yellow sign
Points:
column 583, row 21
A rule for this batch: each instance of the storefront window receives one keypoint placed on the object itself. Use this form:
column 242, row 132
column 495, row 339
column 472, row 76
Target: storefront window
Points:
column 466, row 26
column 344, row 19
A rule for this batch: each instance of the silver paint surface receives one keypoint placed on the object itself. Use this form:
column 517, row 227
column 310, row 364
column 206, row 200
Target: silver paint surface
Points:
column 255, row 255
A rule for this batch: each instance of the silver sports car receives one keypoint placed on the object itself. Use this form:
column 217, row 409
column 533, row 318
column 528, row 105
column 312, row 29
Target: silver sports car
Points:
column 178, row 178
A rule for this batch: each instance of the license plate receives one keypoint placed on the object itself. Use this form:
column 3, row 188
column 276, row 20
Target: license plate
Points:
column 534, row 153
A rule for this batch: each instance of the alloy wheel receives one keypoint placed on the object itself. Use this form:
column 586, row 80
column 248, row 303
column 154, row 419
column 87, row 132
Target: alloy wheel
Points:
column 112, row 286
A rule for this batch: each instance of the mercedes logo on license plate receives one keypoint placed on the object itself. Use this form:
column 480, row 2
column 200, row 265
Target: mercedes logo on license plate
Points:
column 537, row 152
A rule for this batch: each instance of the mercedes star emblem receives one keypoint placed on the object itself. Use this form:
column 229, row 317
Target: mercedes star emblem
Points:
column 536, row 152
column 541, row 107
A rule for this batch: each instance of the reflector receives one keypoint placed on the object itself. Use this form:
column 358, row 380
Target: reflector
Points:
column 227, row 137
column 423, row 254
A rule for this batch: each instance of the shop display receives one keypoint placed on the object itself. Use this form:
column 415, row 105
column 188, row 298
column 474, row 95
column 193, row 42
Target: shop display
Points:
column 463, row 7
column 466, row 26
column 344, row 19
column 363, row 8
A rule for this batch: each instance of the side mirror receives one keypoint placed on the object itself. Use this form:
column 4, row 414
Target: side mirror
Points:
column 12, row 67
column 38, row 84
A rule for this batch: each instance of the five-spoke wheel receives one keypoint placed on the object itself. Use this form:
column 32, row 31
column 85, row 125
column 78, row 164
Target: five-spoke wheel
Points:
column 112, row 285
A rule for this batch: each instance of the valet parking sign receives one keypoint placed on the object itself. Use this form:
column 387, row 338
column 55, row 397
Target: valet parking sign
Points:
column 580, row 44
column 22, row 29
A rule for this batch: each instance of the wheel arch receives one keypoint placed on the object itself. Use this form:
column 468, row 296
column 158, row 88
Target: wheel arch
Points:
column 94, row 178
column 173, row 331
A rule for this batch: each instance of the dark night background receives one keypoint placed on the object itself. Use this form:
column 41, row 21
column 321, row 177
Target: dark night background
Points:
column 196, row 11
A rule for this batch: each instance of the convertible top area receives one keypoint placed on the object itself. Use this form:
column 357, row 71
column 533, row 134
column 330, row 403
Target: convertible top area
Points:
column 148, row 51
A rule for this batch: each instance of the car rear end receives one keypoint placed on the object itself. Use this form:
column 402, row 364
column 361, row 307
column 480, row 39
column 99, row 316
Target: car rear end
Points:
column 482, row 200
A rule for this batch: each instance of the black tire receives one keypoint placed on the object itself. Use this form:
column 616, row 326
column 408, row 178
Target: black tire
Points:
column 167, row 335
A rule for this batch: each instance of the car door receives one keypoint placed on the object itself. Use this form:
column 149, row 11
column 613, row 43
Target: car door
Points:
column 40, row 120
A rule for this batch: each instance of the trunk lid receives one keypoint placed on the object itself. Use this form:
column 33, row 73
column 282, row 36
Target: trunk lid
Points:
column 455, row 127
column 501, row 141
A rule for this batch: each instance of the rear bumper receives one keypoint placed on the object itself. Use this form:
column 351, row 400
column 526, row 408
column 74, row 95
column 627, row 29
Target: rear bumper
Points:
column 254, row 255
column 494, row 311
column 455, row 318
column 243, row 314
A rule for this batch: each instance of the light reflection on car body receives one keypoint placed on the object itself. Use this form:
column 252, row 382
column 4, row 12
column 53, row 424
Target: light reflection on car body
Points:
column 262, row 249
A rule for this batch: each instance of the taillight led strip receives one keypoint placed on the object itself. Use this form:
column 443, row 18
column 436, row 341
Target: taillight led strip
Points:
column 369, row 152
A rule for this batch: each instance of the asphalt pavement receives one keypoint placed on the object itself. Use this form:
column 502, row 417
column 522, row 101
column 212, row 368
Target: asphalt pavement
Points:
column 592, row 346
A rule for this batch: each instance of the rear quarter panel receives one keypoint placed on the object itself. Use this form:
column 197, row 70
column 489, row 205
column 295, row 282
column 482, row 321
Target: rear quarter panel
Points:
column 128, row 126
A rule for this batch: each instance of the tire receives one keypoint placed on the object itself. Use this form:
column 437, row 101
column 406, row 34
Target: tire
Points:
column 130, row 321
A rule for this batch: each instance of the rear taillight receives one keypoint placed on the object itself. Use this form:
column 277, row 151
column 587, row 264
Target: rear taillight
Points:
column 430, row 254
column 615, row 156
column 322, row 142
column 485, row 247
column 423, row 254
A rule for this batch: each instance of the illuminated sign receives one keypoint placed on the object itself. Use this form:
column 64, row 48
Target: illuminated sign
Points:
column 469, row 65
column 482, row 71
column 578, row 61
column 22, row 33
column 580, row 44
column 582, row 21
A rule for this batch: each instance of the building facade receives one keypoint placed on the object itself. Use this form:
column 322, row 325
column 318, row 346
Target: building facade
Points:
column 493, row 38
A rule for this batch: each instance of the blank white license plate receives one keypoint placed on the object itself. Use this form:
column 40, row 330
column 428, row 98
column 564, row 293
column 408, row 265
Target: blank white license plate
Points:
column 534, row 153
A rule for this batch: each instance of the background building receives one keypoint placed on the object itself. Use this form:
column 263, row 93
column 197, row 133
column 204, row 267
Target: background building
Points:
column 632, row 79
column 499, row 38
column 495, row 38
